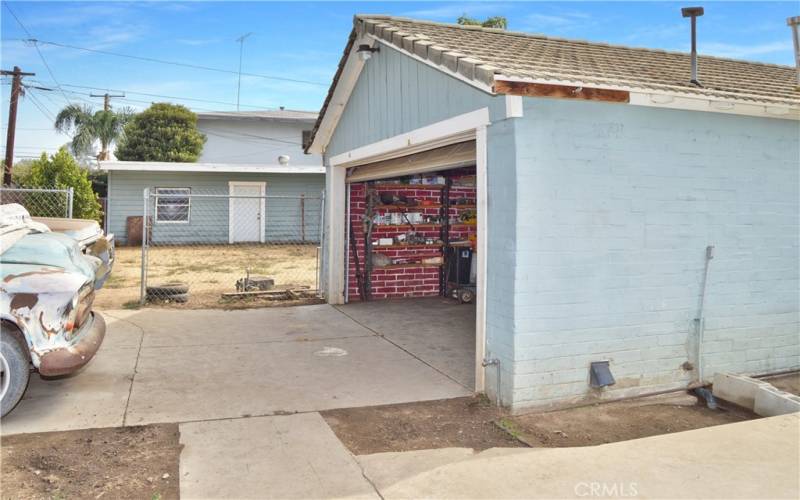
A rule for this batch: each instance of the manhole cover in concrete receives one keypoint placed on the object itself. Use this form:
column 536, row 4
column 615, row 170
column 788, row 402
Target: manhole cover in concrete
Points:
column 331, row 351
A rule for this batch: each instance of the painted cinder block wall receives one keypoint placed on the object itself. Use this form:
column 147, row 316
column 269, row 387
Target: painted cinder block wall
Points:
column 615, row 205
column 209, row 217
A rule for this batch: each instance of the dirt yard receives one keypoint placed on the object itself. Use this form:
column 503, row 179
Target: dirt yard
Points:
column 619, row 421
column 209, row 271
column 475, row 423
column 461, row 422
column 789, row 383
column 125, row 462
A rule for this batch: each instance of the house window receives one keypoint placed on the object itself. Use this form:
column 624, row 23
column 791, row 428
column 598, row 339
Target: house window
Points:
column 172, row 205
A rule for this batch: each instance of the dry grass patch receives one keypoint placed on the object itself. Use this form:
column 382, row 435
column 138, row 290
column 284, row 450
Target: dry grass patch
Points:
column 210, row 271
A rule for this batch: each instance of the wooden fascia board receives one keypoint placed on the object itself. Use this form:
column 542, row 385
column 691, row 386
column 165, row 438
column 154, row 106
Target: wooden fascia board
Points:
column 651, row 98
column 532, row 89
column 341, row 94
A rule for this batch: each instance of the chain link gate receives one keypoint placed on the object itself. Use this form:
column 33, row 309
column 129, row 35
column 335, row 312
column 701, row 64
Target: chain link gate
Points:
column 40, row 202
column 206, row 247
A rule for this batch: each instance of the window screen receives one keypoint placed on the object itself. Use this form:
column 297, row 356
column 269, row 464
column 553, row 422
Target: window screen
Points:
column 172, row 204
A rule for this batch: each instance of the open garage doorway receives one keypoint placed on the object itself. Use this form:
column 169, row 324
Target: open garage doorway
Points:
column 410, row 260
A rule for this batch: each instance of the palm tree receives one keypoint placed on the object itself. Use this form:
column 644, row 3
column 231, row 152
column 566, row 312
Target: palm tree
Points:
column 87, row 127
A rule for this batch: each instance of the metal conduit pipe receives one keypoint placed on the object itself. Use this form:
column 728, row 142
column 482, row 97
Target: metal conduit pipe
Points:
column 496, row 362
column 700, row 320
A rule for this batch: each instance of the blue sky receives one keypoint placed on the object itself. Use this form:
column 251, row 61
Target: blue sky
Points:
column 304, row 40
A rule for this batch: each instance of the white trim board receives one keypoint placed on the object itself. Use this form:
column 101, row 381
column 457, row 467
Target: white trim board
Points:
column 341, row 94
column 263, row 208
column 470, row 125
column 459, row 128
column 249, row 168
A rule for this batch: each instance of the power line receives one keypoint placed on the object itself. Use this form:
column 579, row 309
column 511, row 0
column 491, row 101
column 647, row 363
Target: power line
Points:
column 126, row 91
column 35, row 46
column 219, row 134
column 41, row 107
column 174, row 63
column 238, row 134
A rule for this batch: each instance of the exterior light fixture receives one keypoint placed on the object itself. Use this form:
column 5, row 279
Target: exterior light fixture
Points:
column 365, row 51
column 283, row 160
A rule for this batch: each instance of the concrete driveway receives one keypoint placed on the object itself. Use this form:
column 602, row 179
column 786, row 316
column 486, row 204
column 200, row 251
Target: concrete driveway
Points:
column 160, row 365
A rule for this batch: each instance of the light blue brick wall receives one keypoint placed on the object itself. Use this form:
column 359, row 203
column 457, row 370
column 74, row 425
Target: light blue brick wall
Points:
column 502, row 235
column 209, row 217
column 615, row 207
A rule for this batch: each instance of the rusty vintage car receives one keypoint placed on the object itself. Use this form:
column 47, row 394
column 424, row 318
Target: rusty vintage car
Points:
column 49, row 271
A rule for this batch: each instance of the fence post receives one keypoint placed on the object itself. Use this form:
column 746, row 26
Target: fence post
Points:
column 321, row 247
column 303, row 217
column 70, row 198
column 143, row 289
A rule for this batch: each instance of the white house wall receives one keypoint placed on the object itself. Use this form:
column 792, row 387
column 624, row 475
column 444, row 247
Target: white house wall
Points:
column 254, row 141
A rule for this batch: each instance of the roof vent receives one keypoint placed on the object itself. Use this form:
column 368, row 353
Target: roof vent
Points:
column 694, row 13
column 794, row 22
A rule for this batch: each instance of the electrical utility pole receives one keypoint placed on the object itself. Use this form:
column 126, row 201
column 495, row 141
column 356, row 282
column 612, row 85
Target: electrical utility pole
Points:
column 16, row 93
column 106, row 99
column 241, row 40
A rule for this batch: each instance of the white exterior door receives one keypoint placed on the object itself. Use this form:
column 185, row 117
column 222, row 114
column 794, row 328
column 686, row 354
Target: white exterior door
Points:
column 246, row 217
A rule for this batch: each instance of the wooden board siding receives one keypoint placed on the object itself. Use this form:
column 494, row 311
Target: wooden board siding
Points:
column 209, row 222
column 396, row 94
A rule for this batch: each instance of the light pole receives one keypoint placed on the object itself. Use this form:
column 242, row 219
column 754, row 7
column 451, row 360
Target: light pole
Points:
column 241, row 40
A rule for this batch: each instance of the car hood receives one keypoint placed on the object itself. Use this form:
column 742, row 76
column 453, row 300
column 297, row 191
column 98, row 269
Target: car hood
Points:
column 52, row 250
column 32, row 279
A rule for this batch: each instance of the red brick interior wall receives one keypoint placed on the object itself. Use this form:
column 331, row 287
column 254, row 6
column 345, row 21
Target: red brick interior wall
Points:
column 411, row 281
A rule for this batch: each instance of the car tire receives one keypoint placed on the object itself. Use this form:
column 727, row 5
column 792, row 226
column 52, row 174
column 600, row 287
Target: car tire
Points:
column 15, row 364
column 165, row 290
column 180, row 298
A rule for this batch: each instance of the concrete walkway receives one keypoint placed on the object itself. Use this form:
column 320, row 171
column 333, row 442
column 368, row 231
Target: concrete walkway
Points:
column 161, row 365
column 753, row 459
column 298, row 456
column 437, row 330
column 295, row 456
column 230, row 378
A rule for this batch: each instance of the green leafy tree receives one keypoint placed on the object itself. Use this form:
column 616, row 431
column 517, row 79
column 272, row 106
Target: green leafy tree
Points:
column 162, row 132
column 498, row 22
column 62, row 171
column 87, row 127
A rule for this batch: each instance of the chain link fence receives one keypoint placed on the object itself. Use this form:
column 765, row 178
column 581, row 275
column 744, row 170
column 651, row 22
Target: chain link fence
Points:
column 40, row 202
column 204, row 248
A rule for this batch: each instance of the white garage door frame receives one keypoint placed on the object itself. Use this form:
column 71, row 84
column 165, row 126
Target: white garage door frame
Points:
column 262, row 209
column 459, row 128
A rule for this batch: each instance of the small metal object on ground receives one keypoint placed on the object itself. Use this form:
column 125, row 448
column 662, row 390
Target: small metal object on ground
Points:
column 281, row 292
column 254, row 283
